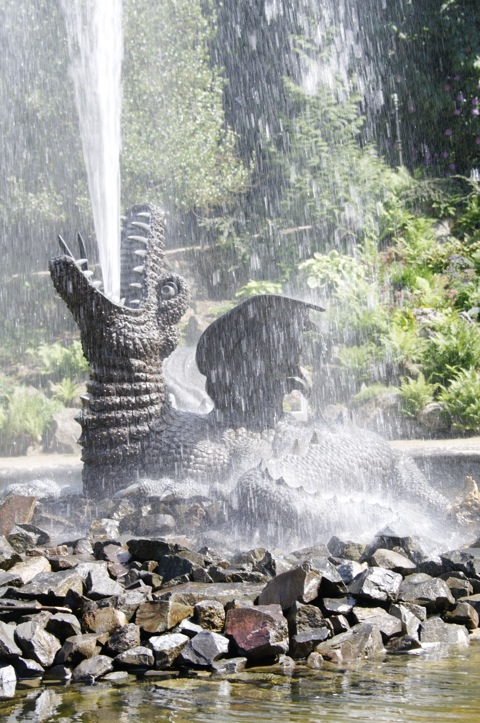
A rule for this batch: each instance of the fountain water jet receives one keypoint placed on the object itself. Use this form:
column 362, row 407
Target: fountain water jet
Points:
column 95, row 43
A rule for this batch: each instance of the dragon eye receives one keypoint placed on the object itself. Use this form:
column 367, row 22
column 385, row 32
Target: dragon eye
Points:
column 168, row 290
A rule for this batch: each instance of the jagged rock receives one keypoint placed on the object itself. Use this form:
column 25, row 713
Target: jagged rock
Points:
column 223, row 592
column 458, row 586
column 125, row 638
column 158, row 616
column 144, row 549
column 204, row 649
column 363, row 640
column 60, row 673
column 221, row 574
column 8, row 646
column 402, row 645
column 338, row 606
column 339, row 624
column 303, row 643
column 201, row 575
column 15, row 510
column 210, row 615
column 8, row 682
column 137, row 657
column 52, row 587
column 434, row 416
column 473, row 600
column 391, row 560
column 187, row 627
column 273, row 563
column 63, row 626
column 463, row 614
column 410, row 622
column 89, row 670
column 167, row 648
column 8, row 556
column 10, row 579
column 258, row 631
column 36, row 643
column 183, row 563
column 332, row 582
column 435, row 630
column 432, row 566
column 349, row 569
column 24, row 537
column 77, row 648
column 27, row 668
column 31, row 567
column 432, row 593
column 117, row 676
column 104, row 529
column 387, row 624
column 301, row 583
column 346, row 548
column 304, row 617
column 466, row 561
column 229, row 666
column 100, row 585
column 130, row 600
column 104, row 620
column 376, row 584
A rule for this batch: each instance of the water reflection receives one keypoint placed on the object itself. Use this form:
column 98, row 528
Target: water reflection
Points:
column 440, row 685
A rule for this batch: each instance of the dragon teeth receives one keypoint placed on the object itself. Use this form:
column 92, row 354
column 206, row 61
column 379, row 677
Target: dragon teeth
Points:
column 80, row 262
column 141, row 252
column 88, row 274
column 141, row 239
column 97, row 283
column 141, row 224
column 134, row 301
column 139, row 269
column 136, row 285
column 144, row 214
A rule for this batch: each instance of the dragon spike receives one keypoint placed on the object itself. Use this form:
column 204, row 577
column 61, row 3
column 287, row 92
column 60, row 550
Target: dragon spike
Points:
column 315, row 439
column 296, row 449
column 83, row 252
column 64, row 247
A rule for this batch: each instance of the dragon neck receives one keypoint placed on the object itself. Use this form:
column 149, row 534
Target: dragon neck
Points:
column 119, row 411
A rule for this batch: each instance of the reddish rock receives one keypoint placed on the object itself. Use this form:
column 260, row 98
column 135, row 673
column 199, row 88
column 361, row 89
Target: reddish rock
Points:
column 301, row 583
column 15, row 510
column 258, row 631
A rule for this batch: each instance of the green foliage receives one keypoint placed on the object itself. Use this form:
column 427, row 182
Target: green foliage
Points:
column 453, row 346
column 367, row 393
column 59, row 361
column 66, row 391
column 462, row 399
column 254, row 287
column 416, row 394
column 27, row 413
column 176, row 147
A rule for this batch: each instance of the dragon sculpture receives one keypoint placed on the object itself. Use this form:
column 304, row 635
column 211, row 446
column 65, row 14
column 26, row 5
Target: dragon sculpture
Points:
column 268, row 466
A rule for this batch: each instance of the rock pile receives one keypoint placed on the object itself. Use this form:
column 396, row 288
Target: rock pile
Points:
column 103, row 608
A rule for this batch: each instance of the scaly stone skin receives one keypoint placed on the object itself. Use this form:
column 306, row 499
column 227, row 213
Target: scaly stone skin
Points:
column 130, row 430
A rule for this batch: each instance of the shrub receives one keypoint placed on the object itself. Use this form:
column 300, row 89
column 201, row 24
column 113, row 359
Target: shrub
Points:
column 26, row 416
column 416, row 394
column 454, row 345
column 462, row 398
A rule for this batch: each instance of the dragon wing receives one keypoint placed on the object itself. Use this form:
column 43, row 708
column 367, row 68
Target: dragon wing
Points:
column 250, row 357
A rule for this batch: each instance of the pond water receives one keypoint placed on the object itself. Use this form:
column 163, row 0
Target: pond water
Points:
column 440, row 685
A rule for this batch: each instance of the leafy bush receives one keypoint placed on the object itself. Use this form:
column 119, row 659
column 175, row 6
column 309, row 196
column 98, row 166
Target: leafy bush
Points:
column 25, row 417
column 453, row 346
column 59, row 361
column 462, row 398
column 254, row 287
column 66, row 391
column 416, row 394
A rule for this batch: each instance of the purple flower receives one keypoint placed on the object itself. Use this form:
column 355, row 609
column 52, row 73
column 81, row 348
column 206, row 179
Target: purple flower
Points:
column 475, row 111
column 458, row 76
column 457, row 111
column 445, row 154
column 461, row 98
column 474, row 101
column 452, row 166
column 477, row 141
column 448, row 132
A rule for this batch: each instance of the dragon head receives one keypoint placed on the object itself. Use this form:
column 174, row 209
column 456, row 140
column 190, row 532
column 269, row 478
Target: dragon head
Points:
column 142, row 327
